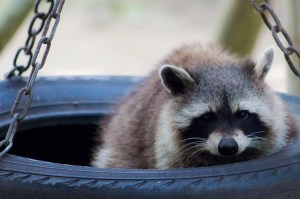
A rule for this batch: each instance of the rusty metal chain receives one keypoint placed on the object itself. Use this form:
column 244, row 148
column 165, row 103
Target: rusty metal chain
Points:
column 19, row 112
column 268, row 14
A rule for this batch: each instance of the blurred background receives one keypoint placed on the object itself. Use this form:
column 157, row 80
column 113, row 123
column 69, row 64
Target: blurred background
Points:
column 129, row 37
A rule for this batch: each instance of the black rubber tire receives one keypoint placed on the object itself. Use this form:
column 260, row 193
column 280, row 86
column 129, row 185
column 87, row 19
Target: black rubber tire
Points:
column 58, row 100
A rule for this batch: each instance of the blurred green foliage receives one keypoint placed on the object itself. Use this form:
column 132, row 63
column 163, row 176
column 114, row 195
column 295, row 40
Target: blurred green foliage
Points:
column 12, row 14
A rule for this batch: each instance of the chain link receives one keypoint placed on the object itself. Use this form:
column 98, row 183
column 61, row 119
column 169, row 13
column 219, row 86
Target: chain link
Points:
column 267, row 13
column 18, row 113
column 36, row 26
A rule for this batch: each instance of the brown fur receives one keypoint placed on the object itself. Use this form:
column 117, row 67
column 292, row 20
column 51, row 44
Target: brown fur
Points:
column 129, row 132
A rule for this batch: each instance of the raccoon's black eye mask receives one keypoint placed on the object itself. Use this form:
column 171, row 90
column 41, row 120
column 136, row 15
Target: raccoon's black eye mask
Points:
column 208, row 122
column 210, row 116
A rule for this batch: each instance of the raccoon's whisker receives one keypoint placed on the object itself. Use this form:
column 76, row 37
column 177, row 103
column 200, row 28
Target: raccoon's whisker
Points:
column 197, row 141
column 200, row 147
column 254, row 134
column 192, row 138
column 190, row 148
column 256, row 140
column 259, row 139
column 183, row 149
column 190, row 143
column 186, row 147
column 186, row 163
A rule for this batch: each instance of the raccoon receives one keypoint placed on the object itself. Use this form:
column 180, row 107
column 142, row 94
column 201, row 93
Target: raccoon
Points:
column 202, row 107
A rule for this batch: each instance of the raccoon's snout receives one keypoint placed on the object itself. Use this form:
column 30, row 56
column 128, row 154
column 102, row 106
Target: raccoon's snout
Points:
column 228, row 147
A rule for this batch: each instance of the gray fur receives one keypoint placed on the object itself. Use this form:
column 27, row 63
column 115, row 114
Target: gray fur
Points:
column 147, row 128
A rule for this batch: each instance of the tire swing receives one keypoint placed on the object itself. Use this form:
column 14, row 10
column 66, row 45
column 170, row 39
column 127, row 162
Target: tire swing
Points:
column 50, row 153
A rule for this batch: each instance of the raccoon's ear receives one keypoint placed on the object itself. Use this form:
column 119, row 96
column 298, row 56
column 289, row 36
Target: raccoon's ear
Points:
column 264, row 62
column 176, row 80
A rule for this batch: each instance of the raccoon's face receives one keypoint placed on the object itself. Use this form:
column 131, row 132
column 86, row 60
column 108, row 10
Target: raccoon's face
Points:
column 218, row 113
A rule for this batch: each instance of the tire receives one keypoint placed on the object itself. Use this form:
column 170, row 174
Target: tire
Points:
column 64, row 102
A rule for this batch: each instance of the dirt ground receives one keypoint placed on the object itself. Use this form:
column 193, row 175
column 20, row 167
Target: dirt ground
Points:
column 112, row 37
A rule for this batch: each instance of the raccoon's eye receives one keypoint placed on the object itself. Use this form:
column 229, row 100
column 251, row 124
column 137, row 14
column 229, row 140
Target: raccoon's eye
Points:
column 207, row 116
column 243, row 114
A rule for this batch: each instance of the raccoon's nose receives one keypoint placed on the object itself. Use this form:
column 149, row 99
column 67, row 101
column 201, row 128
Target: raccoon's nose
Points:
column 228, row 147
